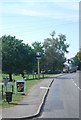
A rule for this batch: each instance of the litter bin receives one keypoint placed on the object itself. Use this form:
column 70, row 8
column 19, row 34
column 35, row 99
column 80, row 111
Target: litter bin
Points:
column 8, row 96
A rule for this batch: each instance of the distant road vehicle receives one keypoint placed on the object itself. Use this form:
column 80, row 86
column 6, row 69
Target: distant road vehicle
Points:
column 72, row 68
column 69, row 68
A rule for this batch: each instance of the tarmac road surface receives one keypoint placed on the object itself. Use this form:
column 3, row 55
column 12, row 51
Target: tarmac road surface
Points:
column 63, row 98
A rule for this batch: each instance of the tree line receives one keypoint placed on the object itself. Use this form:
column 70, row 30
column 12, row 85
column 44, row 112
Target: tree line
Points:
column 77, row 59
column 18, row 57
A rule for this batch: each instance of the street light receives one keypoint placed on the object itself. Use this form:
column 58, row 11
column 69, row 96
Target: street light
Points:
column 38, row 56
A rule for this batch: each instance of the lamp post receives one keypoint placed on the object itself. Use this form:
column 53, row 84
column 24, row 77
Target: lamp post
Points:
column 38, row 56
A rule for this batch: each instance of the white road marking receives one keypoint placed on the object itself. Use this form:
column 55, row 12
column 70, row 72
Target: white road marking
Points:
column 76, row 85
column 44, row 87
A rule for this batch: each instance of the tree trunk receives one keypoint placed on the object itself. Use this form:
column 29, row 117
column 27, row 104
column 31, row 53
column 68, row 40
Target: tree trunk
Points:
column 33, row 76
column 10, row 76
column 43, row 75
column 23, row 75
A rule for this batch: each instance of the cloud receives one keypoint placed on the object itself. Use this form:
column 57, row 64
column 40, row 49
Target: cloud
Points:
column 64, row 11
column 69, row 5
column 49, row 1
column 32, row 13
column 75, row 6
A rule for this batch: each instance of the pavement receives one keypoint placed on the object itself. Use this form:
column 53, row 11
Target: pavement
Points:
column 32, row 103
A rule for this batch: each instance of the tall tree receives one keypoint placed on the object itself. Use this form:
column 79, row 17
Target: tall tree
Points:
column 79, row 55
column 77, row 59
column 15, row 55
column 55, row 49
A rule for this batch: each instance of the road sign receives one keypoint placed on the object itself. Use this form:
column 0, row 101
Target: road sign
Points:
column 38, row 55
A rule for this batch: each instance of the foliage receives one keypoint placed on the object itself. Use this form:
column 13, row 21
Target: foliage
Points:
column 77, row 59
column 55, row 49
column 79, row 55
column 38, row 47
column 16, row 56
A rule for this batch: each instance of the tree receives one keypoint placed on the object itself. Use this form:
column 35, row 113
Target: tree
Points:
column 55, row 49
column 16, row 56
column 38, row 47
column 79, row 55
column 62, row 46
column 30, row 59
column 77, row 59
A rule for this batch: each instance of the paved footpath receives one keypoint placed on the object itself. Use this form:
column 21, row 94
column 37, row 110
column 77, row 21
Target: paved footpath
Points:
column 31, row 104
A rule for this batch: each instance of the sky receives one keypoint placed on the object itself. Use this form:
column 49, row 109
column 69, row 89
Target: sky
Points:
column 34, row 20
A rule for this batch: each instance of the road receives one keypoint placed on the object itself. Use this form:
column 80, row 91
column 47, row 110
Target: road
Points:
column 63, row 98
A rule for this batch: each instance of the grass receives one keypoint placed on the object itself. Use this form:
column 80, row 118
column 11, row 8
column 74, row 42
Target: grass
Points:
column 16, row 98
column 18, row 77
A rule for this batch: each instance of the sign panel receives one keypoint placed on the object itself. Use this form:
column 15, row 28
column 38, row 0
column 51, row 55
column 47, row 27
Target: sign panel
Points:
column 38, row 55
column 20, row 86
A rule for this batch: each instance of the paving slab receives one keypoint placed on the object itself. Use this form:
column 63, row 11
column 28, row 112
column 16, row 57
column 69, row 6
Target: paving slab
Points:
column 31, row 104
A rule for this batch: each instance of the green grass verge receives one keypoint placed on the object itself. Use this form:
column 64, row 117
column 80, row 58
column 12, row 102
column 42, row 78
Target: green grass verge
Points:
column 16, row 98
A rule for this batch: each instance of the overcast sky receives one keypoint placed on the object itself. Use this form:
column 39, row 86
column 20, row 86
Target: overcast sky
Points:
column 34, row 20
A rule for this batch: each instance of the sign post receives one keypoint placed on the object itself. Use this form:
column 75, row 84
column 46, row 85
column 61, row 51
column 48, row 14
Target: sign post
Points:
column 38, row 56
